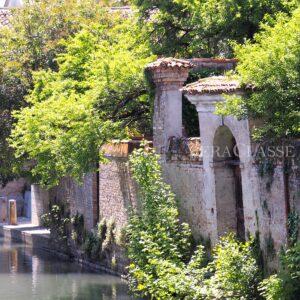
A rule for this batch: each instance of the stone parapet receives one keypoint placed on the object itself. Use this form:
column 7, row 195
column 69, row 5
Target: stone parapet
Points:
column 123, row 148
column 184, row 150
column 213, row 63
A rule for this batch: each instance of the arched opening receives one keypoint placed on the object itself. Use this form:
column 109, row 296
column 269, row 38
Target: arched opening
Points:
column 228, row 184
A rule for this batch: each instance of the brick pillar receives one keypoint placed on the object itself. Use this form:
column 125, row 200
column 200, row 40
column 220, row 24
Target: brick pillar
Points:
column 168, row 75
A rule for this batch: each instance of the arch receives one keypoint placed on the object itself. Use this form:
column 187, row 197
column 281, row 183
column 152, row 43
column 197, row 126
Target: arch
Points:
column 228, row 183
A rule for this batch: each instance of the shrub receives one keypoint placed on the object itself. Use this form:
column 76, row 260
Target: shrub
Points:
column 78, row 228
column 272, row 288
column 160, row 247
column 57, row 221
column 285, row 285
column 236, row 274
column 157, row 241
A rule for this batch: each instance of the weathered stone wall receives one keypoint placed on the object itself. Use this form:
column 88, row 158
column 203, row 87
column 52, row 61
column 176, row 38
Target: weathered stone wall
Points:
column 80, row 197
column 271, row 213
column 117, row 192
column 186, row 180
column 39, row 203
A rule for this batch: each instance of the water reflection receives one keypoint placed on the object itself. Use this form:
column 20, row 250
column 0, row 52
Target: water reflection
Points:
column 27, row 274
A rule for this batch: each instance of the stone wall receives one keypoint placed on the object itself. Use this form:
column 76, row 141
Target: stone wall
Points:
column 117, row 192
column 271, row 213
column 39, row 203
column 80, row 197
column 264, row 198
column 186, row 180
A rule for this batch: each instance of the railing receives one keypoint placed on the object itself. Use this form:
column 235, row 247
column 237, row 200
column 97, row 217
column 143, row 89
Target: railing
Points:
column 184, row 149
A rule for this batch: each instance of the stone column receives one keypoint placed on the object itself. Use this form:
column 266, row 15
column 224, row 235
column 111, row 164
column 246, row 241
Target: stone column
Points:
column 169, row 76
column 39, row 203
column 208, row 123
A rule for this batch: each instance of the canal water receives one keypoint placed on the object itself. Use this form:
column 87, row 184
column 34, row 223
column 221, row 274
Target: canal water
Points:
column 27, row 274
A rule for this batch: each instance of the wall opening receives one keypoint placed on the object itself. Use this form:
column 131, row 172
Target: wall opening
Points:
column 228, row 184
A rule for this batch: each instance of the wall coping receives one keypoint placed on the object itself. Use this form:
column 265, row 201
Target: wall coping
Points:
column 122, row 148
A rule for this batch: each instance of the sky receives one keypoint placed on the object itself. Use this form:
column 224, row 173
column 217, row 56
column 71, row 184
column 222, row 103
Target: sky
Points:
column 13, row 3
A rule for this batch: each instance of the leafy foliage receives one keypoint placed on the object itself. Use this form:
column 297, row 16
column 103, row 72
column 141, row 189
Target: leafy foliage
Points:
column 159, row 248
column 236, row 274
column 293, row 227
column 284, row 285
column 98, row 87
column 156, row 237
column 271, row 65
column 30, row 43
column 204, row 27
column 58, row 222
column 70, row 235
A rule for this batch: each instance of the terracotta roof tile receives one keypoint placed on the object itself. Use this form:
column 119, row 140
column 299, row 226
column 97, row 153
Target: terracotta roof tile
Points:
column 165, row 63
column 212, row 85
column 213, row 60
column 4, row 17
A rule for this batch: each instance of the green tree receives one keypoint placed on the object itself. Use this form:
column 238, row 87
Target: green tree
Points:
column 98, row 88
column 271, row 66
column 205, row 27
column 31, row 43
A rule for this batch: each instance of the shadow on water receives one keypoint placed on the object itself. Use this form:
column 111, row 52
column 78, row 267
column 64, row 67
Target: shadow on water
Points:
column 27, row 274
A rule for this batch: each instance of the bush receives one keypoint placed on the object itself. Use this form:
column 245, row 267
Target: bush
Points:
column 160, row 248
column 285, row 285
column 57, row 221
column 272, row 288
column 235, row 271
column 157, row 241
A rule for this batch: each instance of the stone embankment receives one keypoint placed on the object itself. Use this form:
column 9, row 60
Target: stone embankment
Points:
column 39, row 238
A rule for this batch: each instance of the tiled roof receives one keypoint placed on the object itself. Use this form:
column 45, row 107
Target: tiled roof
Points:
column 214, row 63
column 164, row 63
column 213, row 60
column 4, row 17
column 212, row 85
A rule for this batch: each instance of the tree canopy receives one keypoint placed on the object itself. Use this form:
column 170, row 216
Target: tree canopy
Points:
column 205, row 27
column 97, row 90
column 271, row 65
column 31, row 43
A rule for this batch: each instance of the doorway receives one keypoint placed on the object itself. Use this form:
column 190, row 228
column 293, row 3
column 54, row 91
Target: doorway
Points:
column 228, row 184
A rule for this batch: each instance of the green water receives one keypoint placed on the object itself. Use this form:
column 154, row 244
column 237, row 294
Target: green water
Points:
column 27, row 274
